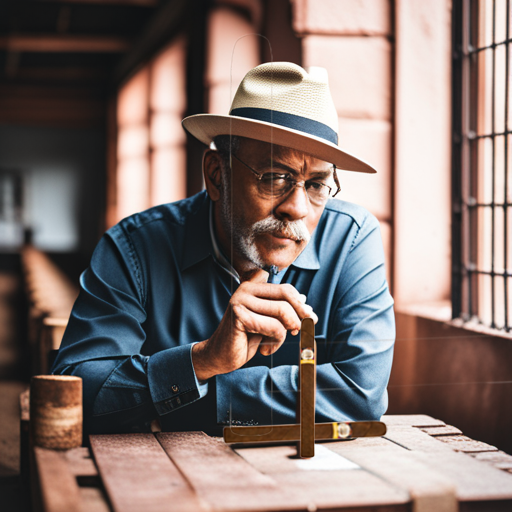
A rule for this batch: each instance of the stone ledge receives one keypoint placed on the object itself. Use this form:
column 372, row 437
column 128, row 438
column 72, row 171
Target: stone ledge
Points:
column 441, row 311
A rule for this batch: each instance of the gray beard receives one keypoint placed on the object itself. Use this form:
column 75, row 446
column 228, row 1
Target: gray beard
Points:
column 243, row 237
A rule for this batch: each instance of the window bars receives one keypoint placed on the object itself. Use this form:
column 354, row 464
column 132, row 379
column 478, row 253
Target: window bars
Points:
column 481, row 154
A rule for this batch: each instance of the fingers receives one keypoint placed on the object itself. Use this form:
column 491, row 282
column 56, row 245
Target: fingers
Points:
column 279, row 309
column 263, row 313
column 268, row 346
column 258, row 276
column 276, row 292
column 268, row 327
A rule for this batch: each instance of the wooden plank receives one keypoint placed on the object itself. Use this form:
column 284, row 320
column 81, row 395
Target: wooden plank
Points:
column 80, row 462
column 447, row 430
column 474, row 480
column 499, row 459
column 82, row 466
column 429, row 490
column 233, row 484
column 415, row 439
column 326, row 489
column 58, row 487
column 466, row 444
column 94, row 500
column 138, row 475
column 411, row 420
column 307, row 388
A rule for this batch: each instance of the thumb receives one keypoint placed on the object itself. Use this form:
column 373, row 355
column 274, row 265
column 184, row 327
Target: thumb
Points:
column 257, row 276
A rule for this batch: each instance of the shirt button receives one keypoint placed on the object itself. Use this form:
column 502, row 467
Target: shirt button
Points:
column 175, row 388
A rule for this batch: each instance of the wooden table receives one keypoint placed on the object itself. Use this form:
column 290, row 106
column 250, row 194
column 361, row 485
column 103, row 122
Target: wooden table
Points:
column 421, row 465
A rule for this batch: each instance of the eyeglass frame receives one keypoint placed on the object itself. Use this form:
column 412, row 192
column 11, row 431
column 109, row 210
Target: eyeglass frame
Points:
column 259, row 177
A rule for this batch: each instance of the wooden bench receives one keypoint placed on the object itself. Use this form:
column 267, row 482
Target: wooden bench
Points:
column 421, row 465
column 51, row 296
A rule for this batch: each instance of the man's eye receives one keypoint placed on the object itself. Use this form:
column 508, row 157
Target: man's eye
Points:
column 315, row 185
column 274, row 178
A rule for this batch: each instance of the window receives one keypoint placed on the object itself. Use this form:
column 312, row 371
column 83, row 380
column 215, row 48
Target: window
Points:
column 11, row 209
column 481, row 163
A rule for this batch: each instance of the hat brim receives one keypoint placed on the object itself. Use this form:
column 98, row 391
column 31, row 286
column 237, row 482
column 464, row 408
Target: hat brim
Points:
column 207, row 126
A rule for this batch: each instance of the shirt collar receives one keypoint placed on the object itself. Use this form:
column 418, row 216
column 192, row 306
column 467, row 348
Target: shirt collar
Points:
column 219, row 257
column 197, row 246
column 308, row 258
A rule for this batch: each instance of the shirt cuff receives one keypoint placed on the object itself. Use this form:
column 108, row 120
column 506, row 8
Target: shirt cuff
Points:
column 202, row 385
column 172, row 380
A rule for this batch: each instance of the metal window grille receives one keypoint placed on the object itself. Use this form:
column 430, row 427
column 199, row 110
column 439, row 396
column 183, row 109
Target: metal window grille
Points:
column 481, row 162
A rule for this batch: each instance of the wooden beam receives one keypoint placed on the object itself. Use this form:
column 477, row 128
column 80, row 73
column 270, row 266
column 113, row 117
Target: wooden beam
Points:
column 55, row 74
column 164, row 24
column 64, row 44
column 136, row 3
column 52, row 106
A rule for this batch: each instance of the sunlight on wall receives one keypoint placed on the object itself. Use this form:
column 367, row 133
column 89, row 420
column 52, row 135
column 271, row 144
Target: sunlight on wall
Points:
column 167, row 137
column 151, row 160
column 233, row 50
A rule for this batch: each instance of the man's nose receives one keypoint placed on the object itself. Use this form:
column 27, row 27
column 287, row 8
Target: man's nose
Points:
column 295, row 205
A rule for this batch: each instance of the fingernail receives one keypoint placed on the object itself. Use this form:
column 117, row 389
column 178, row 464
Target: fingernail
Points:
column 308, row 308
column 295, row 332
column 302, row 298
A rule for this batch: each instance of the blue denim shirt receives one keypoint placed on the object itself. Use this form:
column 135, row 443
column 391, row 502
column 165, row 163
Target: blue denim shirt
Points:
column 154, row 287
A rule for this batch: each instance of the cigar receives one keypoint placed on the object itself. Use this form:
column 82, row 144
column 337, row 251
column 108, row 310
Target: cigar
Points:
column 307, row 388
column 323, row 431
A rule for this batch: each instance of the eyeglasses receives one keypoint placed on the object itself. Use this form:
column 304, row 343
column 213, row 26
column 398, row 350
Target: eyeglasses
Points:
column 273, row 184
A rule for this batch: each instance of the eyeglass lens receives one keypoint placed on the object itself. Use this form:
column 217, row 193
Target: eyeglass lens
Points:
column 275, row 185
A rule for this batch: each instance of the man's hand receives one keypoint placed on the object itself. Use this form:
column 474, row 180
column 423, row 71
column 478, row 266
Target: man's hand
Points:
column 258, row 316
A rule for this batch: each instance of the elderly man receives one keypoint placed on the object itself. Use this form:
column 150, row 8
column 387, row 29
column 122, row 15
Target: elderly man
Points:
column 189, row 312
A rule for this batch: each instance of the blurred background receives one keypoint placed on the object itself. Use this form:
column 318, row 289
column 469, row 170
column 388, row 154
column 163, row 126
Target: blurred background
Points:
column 92, row 93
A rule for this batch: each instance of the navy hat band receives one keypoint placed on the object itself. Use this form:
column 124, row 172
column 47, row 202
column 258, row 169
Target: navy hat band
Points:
column 299, row 123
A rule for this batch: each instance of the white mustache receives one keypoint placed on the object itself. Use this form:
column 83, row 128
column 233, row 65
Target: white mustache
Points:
column 296, row 230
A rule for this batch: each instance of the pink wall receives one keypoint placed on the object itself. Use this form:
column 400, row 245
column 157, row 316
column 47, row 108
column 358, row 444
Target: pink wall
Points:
column 233, row 49
column 422, row 213
column 151, row 154
column 460, row 376
column 352, row 40
column 389, row 63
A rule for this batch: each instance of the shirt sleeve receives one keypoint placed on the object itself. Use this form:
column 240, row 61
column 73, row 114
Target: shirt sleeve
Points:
column 123, row 389
column 354, row 361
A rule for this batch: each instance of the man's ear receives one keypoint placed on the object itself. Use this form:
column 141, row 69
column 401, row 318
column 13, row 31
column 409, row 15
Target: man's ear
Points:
column 212, row 171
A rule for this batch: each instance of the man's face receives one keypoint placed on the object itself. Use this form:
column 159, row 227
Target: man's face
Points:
column 259, row 226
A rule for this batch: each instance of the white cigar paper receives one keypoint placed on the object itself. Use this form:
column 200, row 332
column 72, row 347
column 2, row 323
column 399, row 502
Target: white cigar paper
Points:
column 325, row 460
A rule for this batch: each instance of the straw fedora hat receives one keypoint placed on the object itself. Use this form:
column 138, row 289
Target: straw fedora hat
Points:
column 281, row 103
